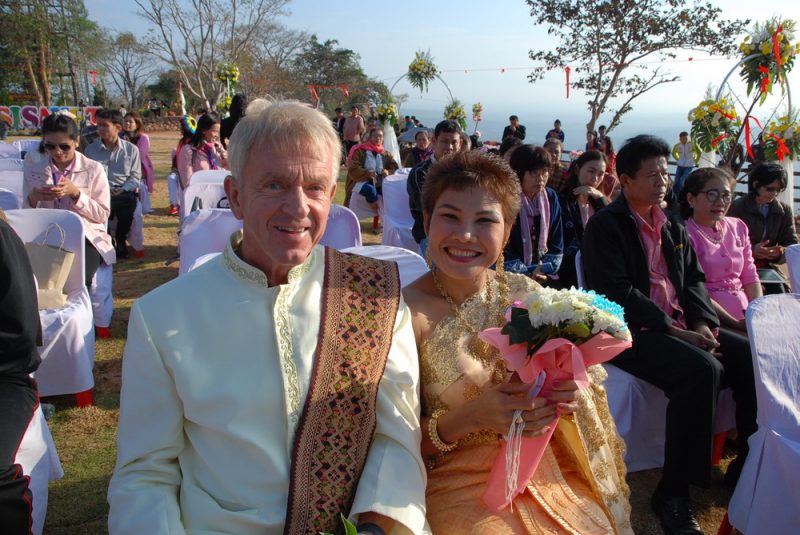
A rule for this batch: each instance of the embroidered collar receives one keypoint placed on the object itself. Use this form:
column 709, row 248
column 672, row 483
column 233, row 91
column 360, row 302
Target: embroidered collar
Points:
column 241, row 269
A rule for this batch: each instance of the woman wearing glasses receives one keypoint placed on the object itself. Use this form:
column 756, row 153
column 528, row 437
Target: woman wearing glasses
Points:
column 721, row 243
column 770, row 221
column 67, row 180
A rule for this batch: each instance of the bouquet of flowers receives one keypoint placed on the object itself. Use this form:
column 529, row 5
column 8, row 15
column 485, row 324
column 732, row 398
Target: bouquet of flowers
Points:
column 712, row 122
column 551, row 335
column 773, row 53
column 477, row 110
column 422, row 70
column 782, row 138
column 228, row 72
column 455, row 112
column 387, row 113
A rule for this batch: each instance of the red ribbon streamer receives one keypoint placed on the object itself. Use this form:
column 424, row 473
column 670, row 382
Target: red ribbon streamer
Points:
column 783, row 150
column 722, row 112
column 567, row 71
column 747, row 135
column 776, row 46
column 764, row 78
column 94, row 77
column 717, row 140
column 313, row 90
column 344, row 89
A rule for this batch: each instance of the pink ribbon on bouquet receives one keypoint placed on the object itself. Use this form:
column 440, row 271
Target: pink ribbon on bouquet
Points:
column 560, row 360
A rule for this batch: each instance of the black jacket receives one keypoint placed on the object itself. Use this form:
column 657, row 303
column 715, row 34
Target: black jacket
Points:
column 778, row 227
column 416, row 179
column 573, row 235
column 615, row 265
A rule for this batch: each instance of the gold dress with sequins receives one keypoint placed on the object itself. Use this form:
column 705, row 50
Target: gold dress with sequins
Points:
column 579, row 486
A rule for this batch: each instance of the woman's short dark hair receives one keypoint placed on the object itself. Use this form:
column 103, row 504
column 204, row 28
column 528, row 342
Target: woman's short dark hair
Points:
column 138, row 120
column 509, row 143
column 766, row 173
column 471, row 169
column 696, row 182
column 204, row 123
column 638, row 149
column 530, row 158
column 58, row 123
column 574, row 168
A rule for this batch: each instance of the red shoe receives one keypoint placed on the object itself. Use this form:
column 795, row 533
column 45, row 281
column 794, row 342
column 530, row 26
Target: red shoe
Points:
column 173, row 210
column 138, row 254
column 102, row 332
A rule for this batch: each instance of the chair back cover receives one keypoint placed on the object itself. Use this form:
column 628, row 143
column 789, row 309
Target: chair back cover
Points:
column 793, row 263
column 11, row 164
column 7, row 150
column 579, row 270
column 209, row 193
column 9, row 200
column 31, row 225
column 768, row 492
column 209, row 176
column 359, row 205
column 397, row 222
column 27, row 145
column 12, row 181
column 343, row 229
column 205, row 231
column 411, row 265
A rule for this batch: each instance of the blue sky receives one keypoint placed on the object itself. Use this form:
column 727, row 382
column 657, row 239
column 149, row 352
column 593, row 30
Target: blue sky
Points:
column 473, row 35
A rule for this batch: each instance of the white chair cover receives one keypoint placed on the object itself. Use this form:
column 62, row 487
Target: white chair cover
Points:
column 68, row 332
column 9, row 200
column 136, row 234
column 205, row 231
column 39, row 460
column 27, row 145
column 11, row 164
column 7, row 150
column 579, row 270
column 766, row 498
column 397, row 221
column 411, row 265
column 343, row 229
column 210, row 193
column 793, row 263
column 144, row 198
column 359, row 205
column 101, row 295
column 12, row 181
column 206, row 176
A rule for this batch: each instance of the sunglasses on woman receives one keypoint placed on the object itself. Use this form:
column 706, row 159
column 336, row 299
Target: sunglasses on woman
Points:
column 65, row 147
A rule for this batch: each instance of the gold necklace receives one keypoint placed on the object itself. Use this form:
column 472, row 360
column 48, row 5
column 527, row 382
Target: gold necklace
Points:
column 477, row 348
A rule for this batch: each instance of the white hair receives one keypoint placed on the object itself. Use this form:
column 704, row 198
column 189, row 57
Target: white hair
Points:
column 286, row 126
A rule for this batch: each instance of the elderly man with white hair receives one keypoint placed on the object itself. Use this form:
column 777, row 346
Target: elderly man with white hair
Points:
column 275, row 388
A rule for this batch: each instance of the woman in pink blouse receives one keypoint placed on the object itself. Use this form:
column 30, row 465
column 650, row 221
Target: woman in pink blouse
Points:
column 204, row 151
column 134, row 132
column 722, row 245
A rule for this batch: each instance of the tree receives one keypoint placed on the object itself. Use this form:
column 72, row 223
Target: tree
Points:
column 195, row 39
column 602, row 41
column 130, row 66
column 268, row 59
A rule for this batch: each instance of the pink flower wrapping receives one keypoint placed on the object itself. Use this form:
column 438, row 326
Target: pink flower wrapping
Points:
column 560, row 360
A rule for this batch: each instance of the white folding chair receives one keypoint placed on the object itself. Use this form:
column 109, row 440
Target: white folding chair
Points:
column 205, row 195
column 343, row 229
column 7, row 150
column 26, row 145
column 9, row 200
column 793, row 263
column 397, row 221
column 12, row 181
column 68, row 332
column 768, row 492
column 135, row 236
column 205, row 231
column 11, row 164
column 39, row 460
column 101, row 295
column 209, row 176
column 411, row 265
column 359, row 205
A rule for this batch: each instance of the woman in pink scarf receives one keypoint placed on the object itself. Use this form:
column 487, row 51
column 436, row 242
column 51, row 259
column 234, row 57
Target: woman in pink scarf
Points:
column 536, row 244
column 134, row 132
column 369, row 163
column 203, row 151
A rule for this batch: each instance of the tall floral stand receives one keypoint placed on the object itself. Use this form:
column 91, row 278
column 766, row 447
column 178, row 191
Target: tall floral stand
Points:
column 787, row 195
column 707, row 159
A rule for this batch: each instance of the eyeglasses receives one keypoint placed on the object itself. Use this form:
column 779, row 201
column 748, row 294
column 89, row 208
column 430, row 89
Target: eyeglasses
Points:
column 713, row 195
column 65, row 147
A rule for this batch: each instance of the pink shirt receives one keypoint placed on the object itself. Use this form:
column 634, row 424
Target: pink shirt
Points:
column 662, row 292
column 727, row 260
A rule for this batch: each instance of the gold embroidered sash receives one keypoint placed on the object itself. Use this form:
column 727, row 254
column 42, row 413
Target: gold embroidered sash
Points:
column 360, row 299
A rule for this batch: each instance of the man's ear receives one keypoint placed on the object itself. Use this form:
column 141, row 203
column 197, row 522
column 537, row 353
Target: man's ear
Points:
column 233, row 190
column 624, row 178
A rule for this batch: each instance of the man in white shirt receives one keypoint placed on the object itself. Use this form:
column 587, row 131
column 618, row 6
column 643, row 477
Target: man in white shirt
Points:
column 277, row 386
column 686, row 154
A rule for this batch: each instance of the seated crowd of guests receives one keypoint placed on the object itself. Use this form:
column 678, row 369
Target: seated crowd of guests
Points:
column 683, row 268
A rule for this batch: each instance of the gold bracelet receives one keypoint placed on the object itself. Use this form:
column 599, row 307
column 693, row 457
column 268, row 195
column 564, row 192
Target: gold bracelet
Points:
column 434, row 434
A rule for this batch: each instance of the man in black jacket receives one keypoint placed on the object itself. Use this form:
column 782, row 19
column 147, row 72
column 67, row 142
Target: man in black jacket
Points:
column 19, row 357
column 644, row 261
